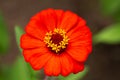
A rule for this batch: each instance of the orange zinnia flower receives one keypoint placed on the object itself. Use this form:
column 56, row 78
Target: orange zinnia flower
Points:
column 57, row 41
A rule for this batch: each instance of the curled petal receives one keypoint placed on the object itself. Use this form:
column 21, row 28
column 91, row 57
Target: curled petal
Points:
column 77, row 53
column 28, row 53
column 28, row 42
column 81, row 24
column 48, row 19
column 82, row 37
column 37, row 61
column 69, row 20
column 53, row 66
column 36, row 29
column 66, row 64
column 78, row 67
column 59, row 14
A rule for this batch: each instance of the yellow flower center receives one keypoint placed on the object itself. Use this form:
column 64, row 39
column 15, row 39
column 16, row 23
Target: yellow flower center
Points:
column 56, row 40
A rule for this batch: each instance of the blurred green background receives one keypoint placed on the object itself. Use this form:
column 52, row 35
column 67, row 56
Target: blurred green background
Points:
column 102, row 16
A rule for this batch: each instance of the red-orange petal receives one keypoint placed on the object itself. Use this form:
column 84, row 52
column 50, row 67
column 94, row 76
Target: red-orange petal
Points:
column 59, row 14
column 69, row 20
column 28, row 53
column 81, row 23
column 66, row 64
column 81, row 36
column 28, row 42
column 49, row 19
column 35, row 28
column 82, row 33
column 37, row 61
column 53, row 66
column 87, row 44
column 78, row 67
column 77, row 53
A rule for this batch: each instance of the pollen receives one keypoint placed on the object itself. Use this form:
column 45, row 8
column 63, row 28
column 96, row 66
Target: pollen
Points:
column 56, row 40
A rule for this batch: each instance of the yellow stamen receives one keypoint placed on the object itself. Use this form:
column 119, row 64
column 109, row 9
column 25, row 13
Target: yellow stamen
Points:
column 61, row 45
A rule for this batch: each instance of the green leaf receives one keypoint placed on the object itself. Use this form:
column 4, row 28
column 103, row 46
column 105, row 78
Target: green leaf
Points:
column 19, row 70
column 5, row 71
column 18, row 33
column 34, row 74
column 116, row 16
column 109, row 35
column 4, row 36
column 77, row 76
column 2, row 74
column 110, row 7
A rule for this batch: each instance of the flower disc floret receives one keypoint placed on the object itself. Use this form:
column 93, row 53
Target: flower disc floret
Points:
column 56, row 40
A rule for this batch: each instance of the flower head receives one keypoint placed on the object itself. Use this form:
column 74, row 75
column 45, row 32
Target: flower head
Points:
column 57, row 41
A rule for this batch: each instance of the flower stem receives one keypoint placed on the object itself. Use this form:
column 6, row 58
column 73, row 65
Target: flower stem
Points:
column 46, row 78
